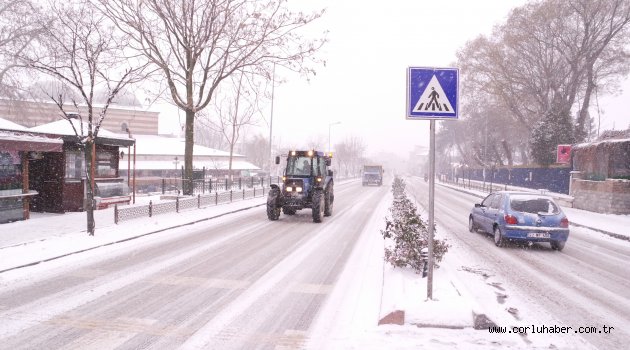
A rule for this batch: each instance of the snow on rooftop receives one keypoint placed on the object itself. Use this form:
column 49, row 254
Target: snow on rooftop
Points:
column 9, row 125
column 172, row 146
column 63, row 127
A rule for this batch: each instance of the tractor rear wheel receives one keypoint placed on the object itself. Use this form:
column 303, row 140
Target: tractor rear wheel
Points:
column 328, row 204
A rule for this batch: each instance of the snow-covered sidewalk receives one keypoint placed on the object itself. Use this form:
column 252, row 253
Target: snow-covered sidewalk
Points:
column 47, row 236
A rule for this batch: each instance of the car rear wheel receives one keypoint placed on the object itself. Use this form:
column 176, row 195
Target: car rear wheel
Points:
column 557, row 245
column 498, row 237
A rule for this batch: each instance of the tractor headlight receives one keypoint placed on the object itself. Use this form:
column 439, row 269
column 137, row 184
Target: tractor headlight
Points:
column 289, row 189
column 293, row 153
column 310, row 153
column 298, row 189
column 284, row 178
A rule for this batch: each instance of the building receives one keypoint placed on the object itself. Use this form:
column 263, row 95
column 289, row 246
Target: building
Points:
column 18, row 148
column 600, row 181
column 162, row 157
column 156, row 157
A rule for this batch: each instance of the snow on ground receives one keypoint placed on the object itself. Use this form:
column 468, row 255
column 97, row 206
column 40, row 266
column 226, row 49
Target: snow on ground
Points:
column 366, row 292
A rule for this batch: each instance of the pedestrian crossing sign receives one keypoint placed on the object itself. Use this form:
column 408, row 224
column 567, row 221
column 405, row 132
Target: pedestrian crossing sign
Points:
column 432, row 93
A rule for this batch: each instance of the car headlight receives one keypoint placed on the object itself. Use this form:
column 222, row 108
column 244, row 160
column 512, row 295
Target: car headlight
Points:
column 298, row 189
column 289, row 189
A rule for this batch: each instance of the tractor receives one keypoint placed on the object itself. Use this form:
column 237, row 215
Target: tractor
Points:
column 307, row 182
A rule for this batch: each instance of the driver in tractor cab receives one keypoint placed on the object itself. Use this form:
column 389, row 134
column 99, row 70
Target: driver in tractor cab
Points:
column 306, row 167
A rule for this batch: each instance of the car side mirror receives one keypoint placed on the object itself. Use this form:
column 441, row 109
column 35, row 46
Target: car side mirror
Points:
column 330, row 173
column 277, row 159
column 478, row 205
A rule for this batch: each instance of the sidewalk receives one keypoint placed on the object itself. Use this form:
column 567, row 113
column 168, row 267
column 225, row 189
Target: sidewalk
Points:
column 47, row 236
column 610, row 224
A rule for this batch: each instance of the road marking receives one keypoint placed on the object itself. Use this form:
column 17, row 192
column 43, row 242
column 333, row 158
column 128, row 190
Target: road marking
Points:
column 122, row 325
column 292, row 339
column 99, row 339
column 308, row 288
column 88, row 273
column 174, row 280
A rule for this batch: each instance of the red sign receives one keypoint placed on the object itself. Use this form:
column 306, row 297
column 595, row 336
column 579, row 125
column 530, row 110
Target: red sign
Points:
column 563, row 155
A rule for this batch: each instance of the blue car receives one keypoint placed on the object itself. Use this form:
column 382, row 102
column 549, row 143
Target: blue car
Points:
column 520, row 216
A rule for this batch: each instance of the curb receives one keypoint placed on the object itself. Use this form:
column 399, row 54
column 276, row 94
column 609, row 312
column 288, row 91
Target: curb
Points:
column 128, row 238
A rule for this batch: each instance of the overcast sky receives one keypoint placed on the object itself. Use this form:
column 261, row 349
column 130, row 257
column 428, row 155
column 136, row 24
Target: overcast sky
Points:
column 363, row 86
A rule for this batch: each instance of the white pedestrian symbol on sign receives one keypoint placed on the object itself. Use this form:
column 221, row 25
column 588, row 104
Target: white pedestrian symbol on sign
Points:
column 433, row 99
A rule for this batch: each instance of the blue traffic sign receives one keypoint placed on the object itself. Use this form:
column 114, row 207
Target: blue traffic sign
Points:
column 432, row 93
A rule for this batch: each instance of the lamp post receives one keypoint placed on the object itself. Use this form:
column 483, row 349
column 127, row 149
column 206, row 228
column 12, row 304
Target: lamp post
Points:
column 329, row 127
column 273, row 87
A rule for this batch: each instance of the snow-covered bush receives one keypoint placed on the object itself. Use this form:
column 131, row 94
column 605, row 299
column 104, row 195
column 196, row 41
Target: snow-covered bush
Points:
column 398, row 187
column 409, row 233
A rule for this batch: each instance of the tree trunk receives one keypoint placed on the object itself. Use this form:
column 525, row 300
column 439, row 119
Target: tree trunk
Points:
column 187, row 181
column 508, row 152
column 89, row 176
column 580, row 127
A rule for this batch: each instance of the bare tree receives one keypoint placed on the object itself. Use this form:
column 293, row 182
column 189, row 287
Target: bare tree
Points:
column 235, row 109
column 350, row 155
column 20, row 24
column 257, row 149
column 198, row 44
column 539, row 63
column 81, row 50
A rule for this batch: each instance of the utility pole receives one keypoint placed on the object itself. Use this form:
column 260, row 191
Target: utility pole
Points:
column 329, row 126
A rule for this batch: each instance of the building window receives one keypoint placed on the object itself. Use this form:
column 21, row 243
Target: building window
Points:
column 10, row 171
column 75, row 166
column 105, row 165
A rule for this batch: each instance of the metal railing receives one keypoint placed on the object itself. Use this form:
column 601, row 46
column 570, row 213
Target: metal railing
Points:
column 199, row 201
column 202, row 186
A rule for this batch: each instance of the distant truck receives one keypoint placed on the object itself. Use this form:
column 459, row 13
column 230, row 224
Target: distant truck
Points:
column 372, row 174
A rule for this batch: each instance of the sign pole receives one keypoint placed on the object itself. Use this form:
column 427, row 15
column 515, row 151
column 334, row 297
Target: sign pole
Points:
column 432, row 93
column 431, row 207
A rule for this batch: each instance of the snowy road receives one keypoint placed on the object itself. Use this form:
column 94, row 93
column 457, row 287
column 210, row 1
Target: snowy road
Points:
column 585, row 285
column 240, row 281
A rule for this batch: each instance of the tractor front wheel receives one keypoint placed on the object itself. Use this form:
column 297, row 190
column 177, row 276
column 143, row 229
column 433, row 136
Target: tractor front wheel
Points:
column 273, row 210
column 318, row 205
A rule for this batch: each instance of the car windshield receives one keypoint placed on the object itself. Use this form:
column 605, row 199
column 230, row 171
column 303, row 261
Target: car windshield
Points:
column 533, row 204
column 299, row 166
column 372, row 169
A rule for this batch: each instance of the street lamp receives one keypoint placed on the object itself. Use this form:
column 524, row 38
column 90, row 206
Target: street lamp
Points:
column 329, row 126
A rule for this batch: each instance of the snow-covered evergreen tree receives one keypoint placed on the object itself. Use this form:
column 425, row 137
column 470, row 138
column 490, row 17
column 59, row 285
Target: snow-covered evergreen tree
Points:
column 553, row 130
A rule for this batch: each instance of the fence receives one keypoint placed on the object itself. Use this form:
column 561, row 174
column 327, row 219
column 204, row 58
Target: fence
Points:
column 200, row 201
column 477, row 185
column 553, row 179
column 202, row 186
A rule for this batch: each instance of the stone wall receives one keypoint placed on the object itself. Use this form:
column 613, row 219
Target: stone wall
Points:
column 611, row 196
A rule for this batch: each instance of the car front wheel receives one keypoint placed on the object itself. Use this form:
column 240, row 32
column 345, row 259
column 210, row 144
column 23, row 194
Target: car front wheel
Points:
column 498, row 237
column 471, row 225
